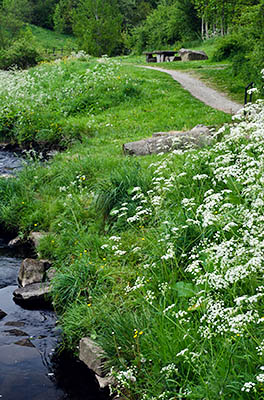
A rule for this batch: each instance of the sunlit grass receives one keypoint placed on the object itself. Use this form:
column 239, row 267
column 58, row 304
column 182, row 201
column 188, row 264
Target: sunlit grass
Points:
column 125, row 233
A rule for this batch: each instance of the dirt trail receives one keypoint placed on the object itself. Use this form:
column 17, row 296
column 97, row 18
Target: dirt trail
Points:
column 202, row 92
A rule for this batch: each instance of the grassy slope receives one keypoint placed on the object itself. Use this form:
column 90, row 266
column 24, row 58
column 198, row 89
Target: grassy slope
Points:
column 118, row 296
column 52, row 41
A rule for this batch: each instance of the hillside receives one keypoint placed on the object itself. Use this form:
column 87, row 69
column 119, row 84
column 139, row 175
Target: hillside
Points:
column 50, row 41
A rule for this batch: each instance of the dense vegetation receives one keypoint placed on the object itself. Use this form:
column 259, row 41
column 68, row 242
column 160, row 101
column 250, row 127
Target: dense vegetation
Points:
column 160, row 258
column 118, row 27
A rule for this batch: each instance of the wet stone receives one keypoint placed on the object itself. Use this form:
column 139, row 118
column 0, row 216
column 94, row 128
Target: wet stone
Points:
column 15, row 332
column 92, row 355
column 15, row 323
column 24, row 343
column 2, row 314
column 36, row 237
column 16, row 242
column 34, row 294
column 32, row 271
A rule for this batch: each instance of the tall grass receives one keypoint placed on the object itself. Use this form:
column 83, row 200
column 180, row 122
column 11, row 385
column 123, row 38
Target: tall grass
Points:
column 158, row 259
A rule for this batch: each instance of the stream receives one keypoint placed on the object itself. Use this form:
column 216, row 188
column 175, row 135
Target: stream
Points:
column 30, row 367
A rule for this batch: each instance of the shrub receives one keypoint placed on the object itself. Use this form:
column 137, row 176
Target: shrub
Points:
column 22, row 53
column 228, row 47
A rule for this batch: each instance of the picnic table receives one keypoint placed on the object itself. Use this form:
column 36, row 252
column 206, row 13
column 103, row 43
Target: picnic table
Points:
column 162, row 55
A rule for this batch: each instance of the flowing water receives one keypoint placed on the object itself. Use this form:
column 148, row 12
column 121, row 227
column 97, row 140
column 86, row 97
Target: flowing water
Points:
column 9, row 163
column 29, row 366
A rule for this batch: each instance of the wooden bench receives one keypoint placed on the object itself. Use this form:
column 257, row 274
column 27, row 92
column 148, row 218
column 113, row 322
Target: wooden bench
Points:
column 161, row 56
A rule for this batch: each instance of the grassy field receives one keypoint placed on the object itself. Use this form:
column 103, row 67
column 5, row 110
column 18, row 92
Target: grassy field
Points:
column 53, row 43
column 159, row 258
column 78, row 98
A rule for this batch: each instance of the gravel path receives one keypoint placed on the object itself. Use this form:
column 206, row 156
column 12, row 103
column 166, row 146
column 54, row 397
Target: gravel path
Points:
column 202, row 92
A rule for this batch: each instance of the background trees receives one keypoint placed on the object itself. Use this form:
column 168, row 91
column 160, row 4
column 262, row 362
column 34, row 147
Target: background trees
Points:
column 42, row 12
column 13, row 13
column 171, row 22
column 62, row 16
column 117, row 26
column 97, row 24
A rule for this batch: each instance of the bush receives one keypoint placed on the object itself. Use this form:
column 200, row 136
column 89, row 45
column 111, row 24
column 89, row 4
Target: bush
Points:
column 228, row 47
column 22, row 53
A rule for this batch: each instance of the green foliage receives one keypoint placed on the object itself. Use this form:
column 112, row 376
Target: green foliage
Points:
column 134, row 11
column 169, row 23
column 244, row 46
column 114, row 284
column 97, row 25
column 62, row 17
column 22, row 53
column 228, row 47
column 18, row 10
column 111, row 194
column 54, row 44
column 250, row 28
column 72, row 284
column 42, row 13
column 92, row 89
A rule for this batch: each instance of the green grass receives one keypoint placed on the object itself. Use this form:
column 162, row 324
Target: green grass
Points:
column 52, row 42
column 119, row 100
column 123, row 232
column 224, row 80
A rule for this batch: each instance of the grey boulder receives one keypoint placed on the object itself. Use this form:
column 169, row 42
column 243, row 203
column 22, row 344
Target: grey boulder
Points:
column 163, row 142
column 34, row 294
column 94, row 357
column 192, row 55
column 32, row 271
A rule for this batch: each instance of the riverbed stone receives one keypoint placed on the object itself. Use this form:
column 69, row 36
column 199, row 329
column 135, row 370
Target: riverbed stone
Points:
column 36, row 237
column 104, row 382
column 50, row 274
column 15, row 323
column 2, row 314
column 92, row 355
column 33, row 294
column 15, row 332
column 191, row 55
column 163, row 142
column 16, row 242
column 24, row 343
column 32, row 271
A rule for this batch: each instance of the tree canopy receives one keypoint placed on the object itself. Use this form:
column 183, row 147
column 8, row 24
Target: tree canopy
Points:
column 112, row 27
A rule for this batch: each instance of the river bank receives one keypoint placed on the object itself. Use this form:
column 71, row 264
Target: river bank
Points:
column 31, row 366
column 147, row 248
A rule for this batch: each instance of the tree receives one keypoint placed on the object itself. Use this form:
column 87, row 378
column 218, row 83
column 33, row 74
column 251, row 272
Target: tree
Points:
column 42, row 12
column 134, row 12
column 97, row 25
column 13, row 14
column 17, row 9
column 218, row 15
column 172, row 21
column 63, row 15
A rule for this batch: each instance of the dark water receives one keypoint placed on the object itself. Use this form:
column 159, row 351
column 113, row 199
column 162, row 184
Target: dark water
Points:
column 30, row 369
